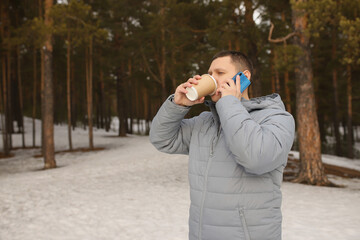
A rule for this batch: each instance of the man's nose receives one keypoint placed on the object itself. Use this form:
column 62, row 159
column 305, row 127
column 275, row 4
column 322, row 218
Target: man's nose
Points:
column 220, row 82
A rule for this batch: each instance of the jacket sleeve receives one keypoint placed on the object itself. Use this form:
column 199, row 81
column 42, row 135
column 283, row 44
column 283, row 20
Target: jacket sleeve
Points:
column 170, row 132
column 258, row 147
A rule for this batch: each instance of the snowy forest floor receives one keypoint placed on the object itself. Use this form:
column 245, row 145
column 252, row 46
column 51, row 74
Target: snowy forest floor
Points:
column 130, row 191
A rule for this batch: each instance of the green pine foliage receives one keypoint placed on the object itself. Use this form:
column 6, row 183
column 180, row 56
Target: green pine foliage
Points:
column 151, row 46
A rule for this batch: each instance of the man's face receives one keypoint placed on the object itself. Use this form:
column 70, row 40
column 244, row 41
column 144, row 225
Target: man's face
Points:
column 221, row 68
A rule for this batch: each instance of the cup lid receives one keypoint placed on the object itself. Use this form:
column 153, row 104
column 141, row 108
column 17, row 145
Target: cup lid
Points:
column 192, row 94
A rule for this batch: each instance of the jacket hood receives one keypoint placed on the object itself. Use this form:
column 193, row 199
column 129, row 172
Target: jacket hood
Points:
column 272, row 101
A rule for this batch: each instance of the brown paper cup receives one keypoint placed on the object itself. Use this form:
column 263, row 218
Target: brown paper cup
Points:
column 207, row 86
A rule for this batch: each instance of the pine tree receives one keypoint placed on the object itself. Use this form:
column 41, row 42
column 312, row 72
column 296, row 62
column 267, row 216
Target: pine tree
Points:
column 311, row 167
column 351, row 57
column 48, row 92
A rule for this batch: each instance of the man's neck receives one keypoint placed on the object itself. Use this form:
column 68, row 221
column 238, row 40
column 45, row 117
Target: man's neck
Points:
column 245, row 95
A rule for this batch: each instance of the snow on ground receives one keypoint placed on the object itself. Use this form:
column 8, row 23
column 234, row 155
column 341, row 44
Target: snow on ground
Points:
column 335, row 160
column 130, row 191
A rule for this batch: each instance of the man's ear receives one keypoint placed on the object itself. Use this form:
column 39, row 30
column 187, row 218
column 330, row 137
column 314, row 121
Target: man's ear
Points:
column 247, row 74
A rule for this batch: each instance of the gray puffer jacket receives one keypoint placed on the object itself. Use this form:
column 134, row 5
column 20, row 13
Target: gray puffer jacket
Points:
column 237, row 154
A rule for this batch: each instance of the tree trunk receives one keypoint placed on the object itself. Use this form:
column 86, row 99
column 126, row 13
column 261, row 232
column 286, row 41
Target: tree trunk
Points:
column 287, row 92
column 74, row 106
column 286, row 81
column 108, row 117
column 277, row 78
column 68, row 88
column 272, row 68
column 2, row 122
column 10, row 129
column 34, row 98
column 42, row 77
column 137, row 105
column 87, row 83
column 20, row 96
column 48, row 101
column 146, row 107
column 5, row 88
column 349, row 113
column 128, row 108
column 6, row 146
column 311, row 169
column 42, row 73
column 121, row 104
column 89, row 94
column 162, row 65
column 336, row 97
column 96, row 104
column 344, row 128
column 102, row 99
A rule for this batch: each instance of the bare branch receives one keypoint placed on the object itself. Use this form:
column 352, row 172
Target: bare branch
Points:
column 283, row 39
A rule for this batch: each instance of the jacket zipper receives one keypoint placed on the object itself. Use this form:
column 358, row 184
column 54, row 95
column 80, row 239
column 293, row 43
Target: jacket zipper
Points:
column 206, row 177
column 243, row 222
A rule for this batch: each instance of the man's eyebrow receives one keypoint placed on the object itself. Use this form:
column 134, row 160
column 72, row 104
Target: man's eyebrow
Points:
column 218, row 70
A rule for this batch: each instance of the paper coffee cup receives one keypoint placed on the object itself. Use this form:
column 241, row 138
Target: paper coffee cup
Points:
column 207, row 86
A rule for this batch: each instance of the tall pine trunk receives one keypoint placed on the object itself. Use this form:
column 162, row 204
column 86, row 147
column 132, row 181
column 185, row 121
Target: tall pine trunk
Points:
column 5, row 129
column 2, row 122
column 102, row 98
column 20, row 96
column 74, row 105
column 273, row 89
column 42, row 74
column 349, row 114
column 121, row 104
column 42, row 81
column 311, row 167
column 68, row 88
column 89, row 91
column 277, row 77
column 128, row 108
column 163, row 64
column 137, row 107
column 286, row 72
column 336, row 97
column 48, row 99
column 20, row 117
column 34, row 97
column 6, row 146
column 272, row 69
column 146, row 106
column 286, row 81
column 10, row 129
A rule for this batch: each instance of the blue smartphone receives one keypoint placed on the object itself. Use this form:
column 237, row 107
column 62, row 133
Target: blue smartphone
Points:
column 244, row 81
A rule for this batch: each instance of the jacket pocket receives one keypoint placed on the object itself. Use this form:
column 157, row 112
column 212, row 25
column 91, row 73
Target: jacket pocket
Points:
column 243, row 222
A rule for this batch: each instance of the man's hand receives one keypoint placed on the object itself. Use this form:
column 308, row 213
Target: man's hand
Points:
column 180, row 97
column 228, row 87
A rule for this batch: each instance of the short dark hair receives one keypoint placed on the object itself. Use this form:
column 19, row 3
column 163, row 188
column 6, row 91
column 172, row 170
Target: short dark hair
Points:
column 240, row 59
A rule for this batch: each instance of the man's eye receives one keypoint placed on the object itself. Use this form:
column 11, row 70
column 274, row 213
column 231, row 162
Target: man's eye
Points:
column 220, row 73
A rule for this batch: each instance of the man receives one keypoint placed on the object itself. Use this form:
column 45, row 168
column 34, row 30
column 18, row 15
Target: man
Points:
column 237, row 154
